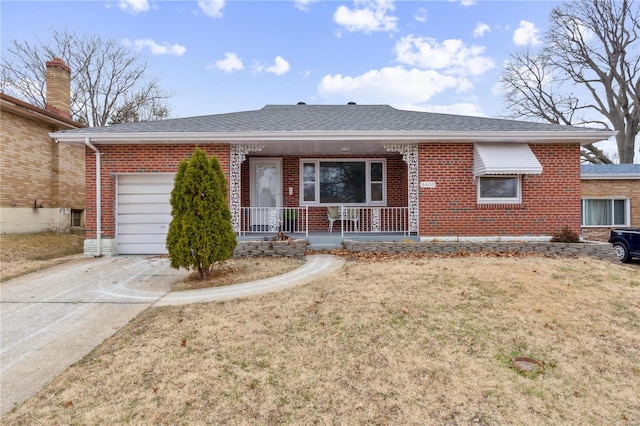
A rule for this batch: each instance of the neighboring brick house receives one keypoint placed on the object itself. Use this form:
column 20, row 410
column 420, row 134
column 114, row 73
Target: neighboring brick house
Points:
column 42, row 184
column 610, row 198
column 388, row 172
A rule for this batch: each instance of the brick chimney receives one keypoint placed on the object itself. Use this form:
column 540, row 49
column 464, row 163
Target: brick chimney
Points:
column 58, row 77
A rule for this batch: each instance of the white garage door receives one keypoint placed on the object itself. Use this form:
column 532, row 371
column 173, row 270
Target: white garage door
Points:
column 144, row 212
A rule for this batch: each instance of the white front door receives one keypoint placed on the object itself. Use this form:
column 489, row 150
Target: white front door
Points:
column 266, row 193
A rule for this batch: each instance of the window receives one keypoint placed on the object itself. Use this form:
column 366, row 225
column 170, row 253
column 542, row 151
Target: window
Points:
column 499, row 190
column 605, row 212
column 76, row 218
column 343, row 182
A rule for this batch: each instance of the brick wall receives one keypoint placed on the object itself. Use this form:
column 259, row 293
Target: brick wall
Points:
column 549, row 201
column 135, row 159
column 610, row 188
column 58, row 76
column 34, row 167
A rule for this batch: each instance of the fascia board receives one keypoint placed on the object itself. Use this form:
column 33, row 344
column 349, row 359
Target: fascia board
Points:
column 43, row 116
column 583, row 138
column 610, row 176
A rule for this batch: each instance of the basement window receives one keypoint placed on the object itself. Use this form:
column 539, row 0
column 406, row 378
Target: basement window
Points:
column 76, row 218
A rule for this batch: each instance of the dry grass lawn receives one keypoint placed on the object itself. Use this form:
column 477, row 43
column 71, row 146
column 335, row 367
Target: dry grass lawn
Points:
column 24, row 253
column 386, row 340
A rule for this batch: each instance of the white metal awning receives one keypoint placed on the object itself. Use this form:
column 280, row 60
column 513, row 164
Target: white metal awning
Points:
column 505, row 159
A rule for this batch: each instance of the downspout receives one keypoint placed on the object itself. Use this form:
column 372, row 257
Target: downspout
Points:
column 87, row 142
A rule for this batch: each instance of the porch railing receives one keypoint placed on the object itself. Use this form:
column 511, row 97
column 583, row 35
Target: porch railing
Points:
column 274, row 219
column 375, row 220
column 346, row 219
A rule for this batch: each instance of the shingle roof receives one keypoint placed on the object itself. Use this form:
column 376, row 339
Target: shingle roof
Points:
column 330, row 118
column 613, row 170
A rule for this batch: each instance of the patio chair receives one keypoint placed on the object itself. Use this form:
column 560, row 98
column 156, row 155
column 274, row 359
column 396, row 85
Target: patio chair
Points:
column 343, row 214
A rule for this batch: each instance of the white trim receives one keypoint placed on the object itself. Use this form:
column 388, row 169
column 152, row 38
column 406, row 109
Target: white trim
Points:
column 367, row 162
column 627, row 211
column 509, row 200
column 583, row 137
column 610, row 176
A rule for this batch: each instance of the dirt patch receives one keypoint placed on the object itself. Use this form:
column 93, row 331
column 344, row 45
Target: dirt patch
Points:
column 241, row 270
column 21, row 254
column 382, row 341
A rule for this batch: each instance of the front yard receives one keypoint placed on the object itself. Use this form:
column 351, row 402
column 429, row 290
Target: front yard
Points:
column 386, row 340
column 24, row 253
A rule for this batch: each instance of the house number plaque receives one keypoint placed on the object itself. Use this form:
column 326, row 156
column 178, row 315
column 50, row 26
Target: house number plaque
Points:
column 427, row 184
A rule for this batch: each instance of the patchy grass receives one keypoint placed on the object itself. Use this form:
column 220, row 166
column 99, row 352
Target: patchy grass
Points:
column 21, row 254
column 234, row 271
column 383, row 341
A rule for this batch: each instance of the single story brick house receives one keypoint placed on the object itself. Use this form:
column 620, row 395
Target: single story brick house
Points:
column 610, row 198
column 372, row 169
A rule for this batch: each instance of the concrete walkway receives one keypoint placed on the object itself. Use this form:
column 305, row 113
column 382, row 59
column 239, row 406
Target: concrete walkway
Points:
column 52, row 318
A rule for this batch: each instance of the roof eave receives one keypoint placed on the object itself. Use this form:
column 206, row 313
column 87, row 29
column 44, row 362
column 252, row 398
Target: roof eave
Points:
column 583, row 138
column 610, row 176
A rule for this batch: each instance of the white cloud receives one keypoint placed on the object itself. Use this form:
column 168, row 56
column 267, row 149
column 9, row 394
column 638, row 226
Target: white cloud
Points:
column 134, row 6
column 158, row 49
column 280, row 66
column 481, row 29
column 230, row 63
column 391, row 85
column 421, row 15
column 451, row 56
column 367, row 16
column 465, row 2
column 212, row 8
column 303, row 5
column 526, row 34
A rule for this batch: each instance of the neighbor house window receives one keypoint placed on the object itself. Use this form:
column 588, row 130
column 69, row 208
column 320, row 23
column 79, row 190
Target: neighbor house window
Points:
column 605, row 212
column 499, row 190
column 76, row 217
column 343, row 182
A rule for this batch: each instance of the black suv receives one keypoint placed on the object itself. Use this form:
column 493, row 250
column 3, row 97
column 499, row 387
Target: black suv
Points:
column 626, row 243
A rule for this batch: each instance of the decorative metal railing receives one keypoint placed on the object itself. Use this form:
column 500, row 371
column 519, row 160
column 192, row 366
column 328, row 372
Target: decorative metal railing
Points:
column 374, row 220
column 274, row 219
column 345, row 219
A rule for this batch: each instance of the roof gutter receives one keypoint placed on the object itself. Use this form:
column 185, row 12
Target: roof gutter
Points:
column 87, row 142
column 583, row 137
column 610, row 176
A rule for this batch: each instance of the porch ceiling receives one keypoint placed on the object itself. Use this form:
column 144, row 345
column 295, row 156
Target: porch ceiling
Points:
column 324, row 147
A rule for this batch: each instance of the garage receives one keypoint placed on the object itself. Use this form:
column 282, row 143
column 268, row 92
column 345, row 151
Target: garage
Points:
column 144, row 212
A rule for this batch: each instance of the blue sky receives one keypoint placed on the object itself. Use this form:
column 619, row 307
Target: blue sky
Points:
column 218, row 56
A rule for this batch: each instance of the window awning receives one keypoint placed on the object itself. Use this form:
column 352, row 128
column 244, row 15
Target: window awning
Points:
column 504, row 159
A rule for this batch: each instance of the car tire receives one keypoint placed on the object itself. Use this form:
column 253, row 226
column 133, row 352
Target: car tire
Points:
column 622, row 252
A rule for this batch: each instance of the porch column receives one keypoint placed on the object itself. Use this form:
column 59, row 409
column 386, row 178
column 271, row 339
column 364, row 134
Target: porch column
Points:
column 237, row 155
column 409, row 153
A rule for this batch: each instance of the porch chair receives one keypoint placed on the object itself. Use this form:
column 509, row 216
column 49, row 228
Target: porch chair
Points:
column 343, row 214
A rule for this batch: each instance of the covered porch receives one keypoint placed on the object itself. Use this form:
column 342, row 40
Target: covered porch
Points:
column 344, row 223
column 325, row 192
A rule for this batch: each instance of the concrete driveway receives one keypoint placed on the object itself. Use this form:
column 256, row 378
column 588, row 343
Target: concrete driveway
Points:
column 52, row 318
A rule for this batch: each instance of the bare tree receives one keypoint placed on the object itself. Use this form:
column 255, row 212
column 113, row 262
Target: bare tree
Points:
column 588, row 73
column 109, row 81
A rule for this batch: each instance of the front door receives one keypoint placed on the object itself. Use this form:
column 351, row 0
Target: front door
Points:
column 266, row 193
